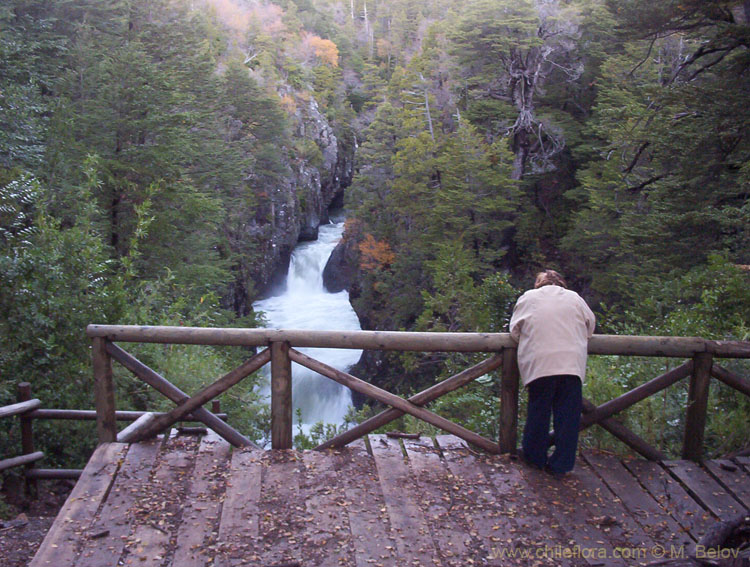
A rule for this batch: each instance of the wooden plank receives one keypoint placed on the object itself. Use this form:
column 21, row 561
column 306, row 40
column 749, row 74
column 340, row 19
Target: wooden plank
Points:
column 739, row 383
column 198, row 528
column 733, row 477
column 473, row 503
column 433, row 481
column 612, row 407
column 672, row 497
column 59, row 548
column 282, row 514
column 377, row 340
column 54, row 474
column 705, row 489
column 159, row 423
column 631, row 540
column 625, row 435
column 157, row 513
column 86, row 415
column 533, row 525
column 587, row 541
column 27, row 434
column 239, row 522
column 744, row 461
column 130, row 433
column 413, row 542
column 656, row 521
column 326, row 537
column 373, row 541
column 114, row 519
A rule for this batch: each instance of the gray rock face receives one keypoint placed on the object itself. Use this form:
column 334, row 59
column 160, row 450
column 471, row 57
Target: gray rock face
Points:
column 320, row 167
column 342, row 267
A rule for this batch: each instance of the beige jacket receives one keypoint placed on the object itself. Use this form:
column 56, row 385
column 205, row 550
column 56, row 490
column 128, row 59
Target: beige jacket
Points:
column 552, row 326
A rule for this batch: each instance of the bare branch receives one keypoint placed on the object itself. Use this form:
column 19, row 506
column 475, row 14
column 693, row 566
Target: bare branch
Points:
column 648, row 181
column 648, row 54
column 638, row 153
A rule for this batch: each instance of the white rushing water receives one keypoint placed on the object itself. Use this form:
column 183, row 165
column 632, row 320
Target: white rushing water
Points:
column 305, row 304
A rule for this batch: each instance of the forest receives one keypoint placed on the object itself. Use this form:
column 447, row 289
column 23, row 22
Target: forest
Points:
column 159, row 159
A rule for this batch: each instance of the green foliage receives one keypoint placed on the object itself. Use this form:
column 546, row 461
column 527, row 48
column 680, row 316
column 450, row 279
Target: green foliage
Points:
column 710, row 301
column 56, row 280
column 128, row 171
column 318, row 433
column 141, row 160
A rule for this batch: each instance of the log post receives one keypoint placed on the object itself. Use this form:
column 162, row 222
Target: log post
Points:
column 695, row 421
column 281, row 396
column 104, row 391
column 27, row 434
column 508, row 438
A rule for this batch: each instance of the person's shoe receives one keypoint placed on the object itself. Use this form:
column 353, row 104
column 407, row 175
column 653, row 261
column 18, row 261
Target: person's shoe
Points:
column 524, row 459
column 554, row 474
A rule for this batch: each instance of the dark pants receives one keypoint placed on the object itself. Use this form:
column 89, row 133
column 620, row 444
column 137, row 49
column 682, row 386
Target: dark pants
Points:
column 559, row 397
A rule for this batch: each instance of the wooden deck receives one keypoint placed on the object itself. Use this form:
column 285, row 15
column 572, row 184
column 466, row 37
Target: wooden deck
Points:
column 189, row 501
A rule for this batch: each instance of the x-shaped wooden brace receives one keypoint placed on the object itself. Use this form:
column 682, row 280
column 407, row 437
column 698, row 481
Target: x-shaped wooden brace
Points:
column 400, row 404
column 162, row 422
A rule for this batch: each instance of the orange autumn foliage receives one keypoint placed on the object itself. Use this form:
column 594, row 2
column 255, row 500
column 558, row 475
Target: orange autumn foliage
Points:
column 288, row 104
column 374, row 254
column 325, row 50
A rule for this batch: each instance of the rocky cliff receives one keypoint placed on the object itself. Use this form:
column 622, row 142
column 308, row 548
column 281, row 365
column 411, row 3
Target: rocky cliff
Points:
column 319, row 167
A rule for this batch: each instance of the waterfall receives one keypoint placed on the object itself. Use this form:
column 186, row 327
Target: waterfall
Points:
column 305, row 304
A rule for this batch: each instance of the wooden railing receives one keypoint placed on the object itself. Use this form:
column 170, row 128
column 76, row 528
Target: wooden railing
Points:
column 29, row 409
column 281, row 351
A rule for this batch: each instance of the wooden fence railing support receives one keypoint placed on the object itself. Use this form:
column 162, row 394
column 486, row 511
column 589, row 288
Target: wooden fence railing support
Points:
column 509, row 387
column 422, row 398
column 697, row 406
column 731, row 379
column 169, row 390
column 104, row 391
column 397, row 402
column 156, row 424
column 281, row 396
column 27, row 435
column 636, row 395
column 624, row 434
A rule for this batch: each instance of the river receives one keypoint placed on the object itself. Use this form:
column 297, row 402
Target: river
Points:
column 305, row 304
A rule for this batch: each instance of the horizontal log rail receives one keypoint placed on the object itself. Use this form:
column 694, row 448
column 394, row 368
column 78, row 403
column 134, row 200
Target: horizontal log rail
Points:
column 21, row 460
column 20, row 407
column 28, row 409
column 679, row 347
column 90, row 415
column 283, row 348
